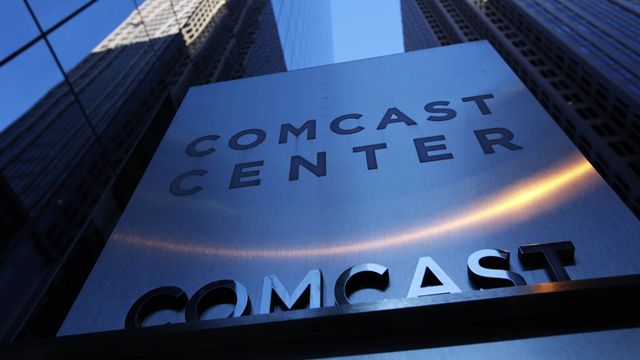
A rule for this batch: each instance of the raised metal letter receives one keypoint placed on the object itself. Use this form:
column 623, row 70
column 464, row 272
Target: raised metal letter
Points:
column 363, row 276
column 308, row 292
column 219, row 292
column 430, row 279
column 166, row 297
column 552, row 256
column 488, row 269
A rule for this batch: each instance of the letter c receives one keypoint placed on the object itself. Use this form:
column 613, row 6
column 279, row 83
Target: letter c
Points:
column 166, row 297
column 176, row 185
column 193, row 152
column 363, row 276
column 219, row 292
column 335, row 124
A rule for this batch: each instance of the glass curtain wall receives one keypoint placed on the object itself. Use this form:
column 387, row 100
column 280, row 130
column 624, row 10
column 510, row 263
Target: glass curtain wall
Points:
column 74, row 105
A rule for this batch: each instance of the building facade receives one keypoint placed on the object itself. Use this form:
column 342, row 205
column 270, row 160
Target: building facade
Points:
column 70, row 162
column 305, row 32
column 580, row 59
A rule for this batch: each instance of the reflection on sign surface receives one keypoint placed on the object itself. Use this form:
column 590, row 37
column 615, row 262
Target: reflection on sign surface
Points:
column 547, row 190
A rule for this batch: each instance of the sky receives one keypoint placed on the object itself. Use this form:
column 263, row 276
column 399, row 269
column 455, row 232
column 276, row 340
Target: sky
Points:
column 361, row 29
column 365, row 28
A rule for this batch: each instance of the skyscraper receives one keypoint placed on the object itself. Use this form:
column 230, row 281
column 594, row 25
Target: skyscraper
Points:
column 580, row 59
column 70, row 162
column 306, row 32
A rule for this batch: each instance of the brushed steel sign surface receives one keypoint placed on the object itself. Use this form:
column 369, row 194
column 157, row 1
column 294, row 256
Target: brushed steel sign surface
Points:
column 436, row 153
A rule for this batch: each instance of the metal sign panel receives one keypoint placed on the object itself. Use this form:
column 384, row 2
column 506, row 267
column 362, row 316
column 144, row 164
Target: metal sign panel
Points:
column 436, row 153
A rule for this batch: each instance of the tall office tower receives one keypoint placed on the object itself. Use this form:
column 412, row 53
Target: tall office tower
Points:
column 417, row 32
column 580, row 59
column 306, row 31
column 69, row 164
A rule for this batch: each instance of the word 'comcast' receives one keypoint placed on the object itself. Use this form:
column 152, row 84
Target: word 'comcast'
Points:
column 487, row 268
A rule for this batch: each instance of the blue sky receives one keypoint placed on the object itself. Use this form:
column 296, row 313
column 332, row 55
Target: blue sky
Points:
column 361, row 29
column 366, row 28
